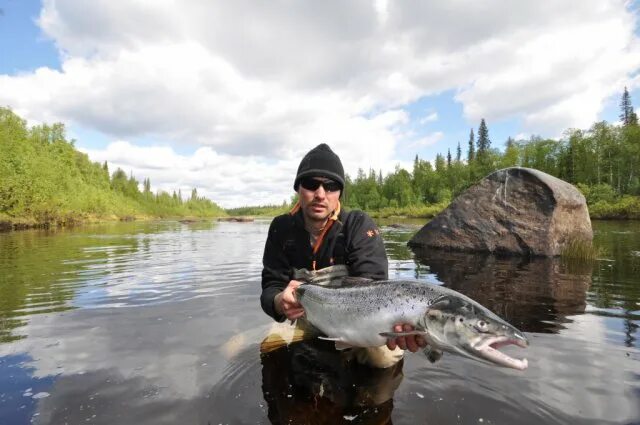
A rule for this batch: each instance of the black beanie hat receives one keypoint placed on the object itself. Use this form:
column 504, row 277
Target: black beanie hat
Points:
column 320, row 161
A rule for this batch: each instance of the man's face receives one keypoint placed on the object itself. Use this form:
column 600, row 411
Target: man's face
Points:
column 319, row 202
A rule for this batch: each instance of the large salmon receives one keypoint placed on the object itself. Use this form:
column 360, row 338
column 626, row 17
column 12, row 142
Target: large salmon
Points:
column 362, row 313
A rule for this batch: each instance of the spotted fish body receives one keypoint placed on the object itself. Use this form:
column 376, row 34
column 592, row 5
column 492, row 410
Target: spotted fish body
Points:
column 358, row 312
column 362, row 313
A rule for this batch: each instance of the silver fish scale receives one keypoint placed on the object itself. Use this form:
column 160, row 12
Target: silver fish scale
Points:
column 357, row 313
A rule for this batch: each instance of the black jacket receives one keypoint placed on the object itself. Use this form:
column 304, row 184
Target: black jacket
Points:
column 353, row 240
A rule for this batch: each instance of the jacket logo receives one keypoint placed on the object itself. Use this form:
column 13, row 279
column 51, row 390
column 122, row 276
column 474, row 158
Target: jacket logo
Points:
column 373, row 232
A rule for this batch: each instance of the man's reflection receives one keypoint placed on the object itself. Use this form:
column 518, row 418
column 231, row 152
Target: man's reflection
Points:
column 310, row 382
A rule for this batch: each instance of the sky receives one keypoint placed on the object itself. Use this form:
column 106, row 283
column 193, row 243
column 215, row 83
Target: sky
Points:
column 227, row 97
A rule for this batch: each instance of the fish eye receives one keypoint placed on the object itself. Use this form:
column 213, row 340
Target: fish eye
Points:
column 482, row 326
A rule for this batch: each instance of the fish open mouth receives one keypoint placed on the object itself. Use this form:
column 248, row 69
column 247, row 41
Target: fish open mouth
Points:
column 489, row 350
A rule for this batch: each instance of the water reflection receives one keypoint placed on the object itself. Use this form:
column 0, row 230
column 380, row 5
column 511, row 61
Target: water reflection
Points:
column 311, row 382
column 111, row 265
column 130, row 323
column 533, row 294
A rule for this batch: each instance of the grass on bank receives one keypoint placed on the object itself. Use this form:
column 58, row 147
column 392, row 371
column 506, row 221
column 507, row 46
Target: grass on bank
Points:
column 580, row 249
column 624, row 208
column 414, row 211
column 259, row 211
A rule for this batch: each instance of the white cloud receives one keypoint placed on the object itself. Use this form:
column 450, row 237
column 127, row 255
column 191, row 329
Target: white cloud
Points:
column 268, row 81
column 429, row 139
column 429, row 118
column 560, row 78
column 228, row 179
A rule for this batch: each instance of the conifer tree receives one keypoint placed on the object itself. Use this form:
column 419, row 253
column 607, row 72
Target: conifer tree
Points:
column 147, row 185
column 471, row 154
column 627, row 115
column 458, row 153
column 483, row 138
column 448, row 157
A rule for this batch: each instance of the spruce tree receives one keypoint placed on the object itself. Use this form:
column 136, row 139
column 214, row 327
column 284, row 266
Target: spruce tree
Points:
column 626, row 109
column 483, row 138
column 458, row 153
column 471, row 154
column 448, row 157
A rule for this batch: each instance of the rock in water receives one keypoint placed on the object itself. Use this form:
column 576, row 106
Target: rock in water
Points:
column 519, row 211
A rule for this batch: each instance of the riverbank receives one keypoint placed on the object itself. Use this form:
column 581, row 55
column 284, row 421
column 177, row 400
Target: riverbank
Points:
column 8, row 224
column 625, row 208
column 45, row 181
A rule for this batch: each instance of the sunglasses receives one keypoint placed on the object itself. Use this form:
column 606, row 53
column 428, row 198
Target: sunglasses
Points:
column 312, row 184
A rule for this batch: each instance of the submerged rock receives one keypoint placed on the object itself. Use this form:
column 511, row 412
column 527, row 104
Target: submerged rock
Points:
column 519, row 211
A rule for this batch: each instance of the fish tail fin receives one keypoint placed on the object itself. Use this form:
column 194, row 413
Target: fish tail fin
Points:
column 282, row 334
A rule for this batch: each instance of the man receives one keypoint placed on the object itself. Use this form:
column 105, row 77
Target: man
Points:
column 316, row 234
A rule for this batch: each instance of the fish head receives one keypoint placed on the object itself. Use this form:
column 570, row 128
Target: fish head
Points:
column 461, row 325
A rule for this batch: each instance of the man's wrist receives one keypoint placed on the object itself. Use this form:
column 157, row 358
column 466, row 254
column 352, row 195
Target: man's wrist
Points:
column 277, row 305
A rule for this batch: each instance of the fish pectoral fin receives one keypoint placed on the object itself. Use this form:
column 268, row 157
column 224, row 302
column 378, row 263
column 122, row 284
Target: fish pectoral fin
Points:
column 328, row 338
column 340, row 345
column 397, row 334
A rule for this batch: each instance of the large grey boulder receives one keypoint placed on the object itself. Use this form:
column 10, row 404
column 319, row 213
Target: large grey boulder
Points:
column 519, row 211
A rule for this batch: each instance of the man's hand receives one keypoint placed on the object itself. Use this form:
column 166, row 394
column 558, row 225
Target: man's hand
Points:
column 412, row 342
column 285, row 302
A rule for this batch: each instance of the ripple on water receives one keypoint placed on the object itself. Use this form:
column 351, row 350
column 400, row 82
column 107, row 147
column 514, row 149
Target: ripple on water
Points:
column 131, row 269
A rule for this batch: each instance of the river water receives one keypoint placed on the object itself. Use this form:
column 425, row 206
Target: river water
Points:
column 160, row 323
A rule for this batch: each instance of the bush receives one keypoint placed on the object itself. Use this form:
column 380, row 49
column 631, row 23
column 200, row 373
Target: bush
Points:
column 414, row 211
column 627, row 207
column 597, row 193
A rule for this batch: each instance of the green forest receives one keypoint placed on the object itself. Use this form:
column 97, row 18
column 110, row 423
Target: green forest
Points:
column 602, row 162
column 45, row 180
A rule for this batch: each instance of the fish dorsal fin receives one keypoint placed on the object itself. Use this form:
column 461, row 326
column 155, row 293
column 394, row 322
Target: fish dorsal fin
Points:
column 354, row 281
column 328, row 276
